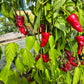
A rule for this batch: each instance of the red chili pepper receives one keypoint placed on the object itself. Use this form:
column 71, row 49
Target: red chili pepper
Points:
column 68, row 65
column 64, row 69
column 37, row 58
column 20, row 21
column 80, row 40
column 70, row 58
column 73, row 63
column 68, row 53
column 43, row 27
column 45, row 57
column 45, row 37
column 22, row 30
column 73, row 20
column 82, row 63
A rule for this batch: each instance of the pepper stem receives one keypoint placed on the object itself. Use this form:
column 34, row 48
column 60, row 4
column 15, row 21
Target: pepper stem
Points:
column 80, row 33
column 78, row 60
column 46, row 28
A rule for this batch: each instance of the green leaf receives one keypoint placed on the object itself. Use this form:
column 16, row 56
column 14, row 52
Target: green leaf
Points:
column 11, row 15
column 10, row 51
column 53, row 67
column 57, row 73
column 15, row 4
column 40, row 64
column 24, row 81
column 27, row 1
column 58, row 34
column 73, row 46
column 48, row 6
column 34, row 82
column 33, row 73
column 19, row 65
column 14, row 78
column 1, row 52
column 68, row 79
column 29, row 41
column 5, row 9
column 46, row 48
column 81, row 16
column 5, row 73
column 37, row 78
column 47, row 74
column 76, row 76
column 57, row 4
column 61, row 26
column 81, row 74
column 28, row 59
column 53, row 55
column 51, row 41
column 48, row 16
column 21, row 51
column 36, row 47
column 37, row 23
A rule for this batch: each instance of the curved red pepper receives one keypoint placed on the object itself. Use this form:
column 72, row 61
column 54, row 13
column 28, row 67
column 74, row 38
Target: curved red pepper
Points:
column 67, row 52
column 73, row 20
column 45, row 37
column 73, row 63
column 45, row 57
column 66, row 67
column 20, row 21
column 80, row 40
column 43, row 27
column 70, row 58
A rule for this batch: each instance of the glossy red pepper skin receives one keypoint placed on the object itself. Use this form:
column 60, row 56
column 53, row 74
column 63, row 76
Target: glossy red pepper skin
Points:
column 73, row 20
column 45, row 37
column 68, row 65
column 80, row 40
column 43, row 27
column 45, row 57
column 20, row 21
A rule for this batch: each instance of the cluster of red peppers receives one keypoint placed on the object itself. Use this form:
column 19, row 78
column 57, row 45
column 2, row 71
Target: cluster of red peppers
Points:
column 44, row 40
column 20, row 21
column 73, row 20
column 67, row 65
column 44, row 57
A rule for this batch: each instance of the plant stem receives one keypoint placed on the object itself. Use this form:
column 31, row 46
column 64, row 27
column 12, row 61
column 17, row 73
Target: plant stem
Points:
column 27, row 17
column 67, row 13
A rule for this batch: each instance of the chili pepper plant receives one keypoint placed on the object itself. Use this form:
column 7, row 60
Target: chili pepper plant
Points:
column 58, row 50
